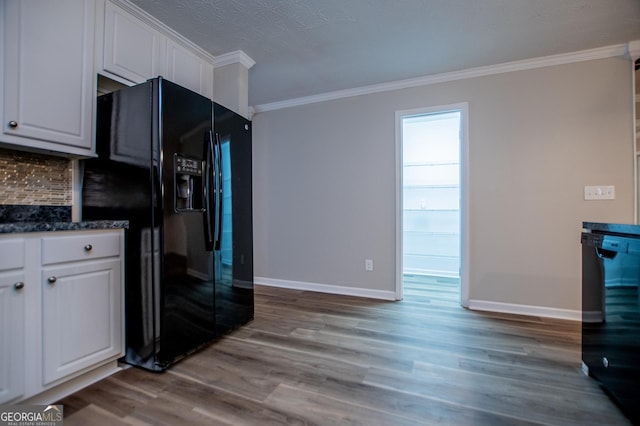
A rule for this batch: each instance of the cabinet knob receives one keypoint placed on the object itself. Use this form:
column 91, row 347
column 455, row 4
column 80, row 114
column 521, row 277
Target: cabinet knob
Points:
column 52, row 280
column 19, row 285
column 13, row 124
column 88, row 247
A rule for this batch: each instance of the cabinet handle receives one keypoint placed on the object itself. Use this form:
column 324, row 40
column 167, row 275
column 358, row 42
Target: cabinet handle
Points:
column 13, row 124
column 52, row 280
column 19, row 285
column 88, row 247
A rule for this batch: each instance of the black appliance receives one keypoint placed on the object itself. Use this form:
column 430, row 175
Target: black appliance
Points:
column 611, row 311
column 178, row 167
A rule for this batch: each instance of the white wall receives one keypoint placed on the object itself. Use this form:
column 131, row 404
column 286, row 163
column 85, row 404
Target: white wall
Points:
column 324, row 181
column 231, row 87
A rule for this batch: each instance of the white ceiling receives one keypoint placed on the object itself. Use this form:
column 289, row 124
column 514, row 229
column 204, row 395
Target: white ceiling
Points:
column 308, row 47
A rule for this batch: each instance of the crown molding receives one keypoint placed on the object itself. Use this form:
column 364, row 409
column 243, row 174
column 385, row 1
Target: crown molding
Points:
column 237, row 56
column 546, row 61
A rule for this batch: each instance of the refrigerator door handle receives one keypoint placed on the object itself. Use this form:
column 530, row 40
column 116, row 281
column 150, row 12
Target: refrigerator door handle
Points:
column 208, row 174
column 219, row 197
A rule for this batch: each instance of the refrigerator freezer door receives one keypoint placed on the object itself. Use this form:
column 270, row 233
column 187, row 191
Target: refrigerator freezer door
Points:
column 234, row 256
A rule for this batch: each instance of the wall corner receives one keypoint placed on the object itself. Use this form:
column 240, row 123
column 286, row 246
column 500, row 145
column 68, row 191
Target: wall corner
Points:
column 231, row 81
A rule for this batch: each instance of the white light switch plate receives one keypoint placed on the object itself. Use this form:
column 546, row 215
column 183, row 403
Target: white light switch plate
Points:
column 600, row 192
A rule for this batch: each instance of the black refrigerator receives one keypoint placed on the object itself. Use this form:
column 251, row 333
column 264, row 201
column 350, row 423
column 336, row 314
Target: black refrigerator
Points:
column 177, row 167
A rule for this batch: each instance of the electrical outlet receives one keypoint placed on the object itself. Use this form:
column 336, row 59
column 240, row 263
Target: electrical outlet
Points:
column 600, row 192
column 368, row 264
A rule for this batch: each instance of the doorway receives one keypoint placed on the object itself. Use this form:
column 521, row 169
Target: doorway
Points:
column 431, row 194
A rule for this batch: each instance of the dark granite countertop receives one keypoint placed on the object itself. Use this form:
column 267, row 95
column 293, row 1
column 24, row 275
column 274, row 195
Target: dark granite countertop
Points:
column 612, row 228
column 15, row 218
column 17, row 227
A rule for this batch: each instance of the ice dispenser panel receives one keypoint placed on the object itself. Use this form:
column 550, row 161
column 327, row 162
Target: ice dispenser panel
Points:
column 189, row 195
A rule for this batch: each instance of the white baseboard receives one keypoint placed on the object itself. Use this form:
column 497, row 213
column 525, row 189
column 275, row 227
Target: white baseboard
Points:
column 536, row 311
column 326, row 288
column 477, row 305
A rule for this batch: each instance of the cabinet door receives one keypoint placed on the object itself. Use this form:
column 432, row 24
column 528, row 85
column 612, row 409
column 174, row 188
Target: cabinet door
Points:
column 12, row 329
column 48, row 85
column 82, row 316
column 188, row 70
column 132, row 49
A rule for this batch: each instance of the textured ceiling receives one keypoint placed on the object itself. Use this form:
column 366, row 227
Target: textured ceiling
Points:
column 308, row 47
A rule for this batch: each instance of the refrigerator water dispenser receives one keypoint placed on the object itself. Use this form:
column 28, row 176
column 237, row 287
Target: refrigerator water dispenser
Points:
column 189, row 195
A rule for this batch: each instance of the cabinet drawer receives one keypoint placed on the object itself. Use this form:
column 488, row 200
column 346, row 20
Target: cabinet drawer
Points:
column 11, row 254
column 80, row 247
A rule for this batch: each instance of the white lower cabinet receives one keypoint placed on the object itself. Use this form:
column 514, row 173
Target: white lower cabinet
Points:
column 12, row 319
column 12, row 324
column 61, row 313
column 81, row 317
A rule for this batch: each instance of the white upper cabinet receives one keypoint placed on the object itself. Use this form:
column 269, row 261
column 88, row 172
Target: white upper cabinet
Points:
column 48, row 80
column 136, row 47
column 189, row 70
column 132, row 49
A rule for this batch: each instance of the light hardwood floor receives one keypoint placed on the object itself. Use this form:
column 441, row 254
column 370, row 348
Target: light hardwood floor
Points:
column 318, row 359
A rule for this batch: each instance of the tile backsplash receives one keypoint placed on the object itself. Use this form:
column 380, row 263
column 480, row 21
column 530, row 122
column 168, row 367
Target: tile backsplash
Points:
column 34, row 179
